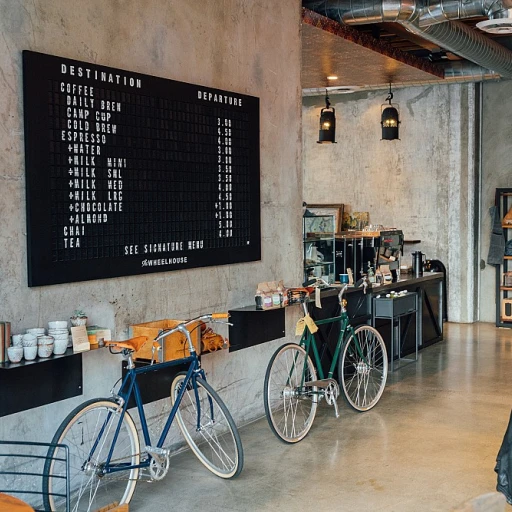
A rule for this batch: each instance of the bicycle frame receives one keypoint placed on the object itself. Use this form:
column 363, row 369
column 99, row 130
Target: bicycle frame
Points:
column 308, row 341
column 129, row 388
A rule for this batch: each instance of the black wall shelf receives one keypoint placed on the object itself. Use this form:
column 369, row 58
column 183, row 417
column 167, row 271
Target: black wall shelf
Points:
column 31, row 384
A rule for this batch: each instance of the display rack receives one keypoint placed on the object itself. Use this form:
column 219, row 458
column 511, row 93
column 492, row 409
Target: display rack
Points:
column 318, row 246
column 503, row 202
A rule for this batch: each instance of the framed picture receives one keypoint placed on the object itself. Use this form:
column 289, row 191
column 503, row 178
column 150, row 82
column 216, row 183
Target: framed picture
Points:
column 329, row 209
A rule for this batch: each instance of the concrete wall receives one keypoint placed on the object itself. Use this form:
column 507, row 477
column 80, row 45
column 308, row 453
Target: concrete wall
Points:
column 496, row 166
column 248, row 46
column 424, row 184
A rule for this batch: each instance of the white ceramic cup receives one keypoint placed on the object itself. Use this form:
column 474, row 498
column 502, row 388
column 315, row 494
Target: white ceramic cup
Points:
column 29, row 340
column 15, row 354
column 30, row 353
column 45, row 346
column 45, row 350
column 60, row 346
column 17, row 340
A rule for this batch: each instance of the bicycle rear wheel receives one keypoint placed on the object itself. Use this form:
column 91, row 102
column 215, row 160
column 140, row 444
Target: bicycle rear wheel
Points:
column 92, row 423
column 290, row 406
column 363, row 368
column 215, row 439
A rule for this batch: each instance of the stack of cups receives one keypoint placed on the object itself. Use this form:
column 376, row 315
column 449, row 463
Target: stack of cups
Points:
column 29, row 346
column 58, row 329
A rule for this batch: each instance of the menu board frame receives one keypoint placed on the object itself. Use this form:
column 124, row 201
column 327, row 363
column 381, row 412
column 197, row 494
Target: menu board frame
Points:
column 59, row 251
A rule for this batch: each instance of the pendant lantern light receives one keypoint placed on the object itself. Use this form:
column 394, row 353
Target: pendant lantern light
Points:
column 390, row 119
column 327, row 133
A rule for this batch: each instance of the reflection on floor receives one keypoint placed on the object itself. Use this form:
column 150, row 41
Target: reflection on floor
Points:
column 429, row 444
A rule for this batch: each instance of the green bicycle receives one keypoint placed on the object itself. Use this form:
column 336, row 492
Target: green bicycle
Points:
column 294, row 385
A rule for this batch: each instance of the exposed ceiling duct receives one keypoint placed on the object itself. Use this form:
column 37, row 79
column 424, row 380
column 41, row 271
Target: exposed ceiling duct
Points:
column 468, row 43
column 430, row 21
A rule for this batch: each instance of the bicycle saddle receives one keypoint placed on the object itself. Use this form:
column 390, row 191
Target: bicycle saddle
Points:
column 134, row 344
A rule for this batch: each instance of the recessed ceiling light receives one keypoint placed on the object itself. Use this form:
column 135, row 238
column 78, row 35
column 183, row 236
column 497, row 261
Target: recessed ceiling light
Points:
column 332, row 77
column 335, row 89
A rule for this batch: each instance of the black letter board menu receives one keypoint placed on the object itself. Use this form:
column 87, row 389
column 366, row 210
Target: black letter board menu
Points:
column 129, row 173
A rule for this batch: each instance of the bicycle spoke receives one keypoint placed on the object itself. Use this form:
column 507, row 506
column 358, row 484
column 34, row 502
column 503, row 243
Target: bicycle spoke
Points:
column 216, row 442
column 289, row 406
column 89, row 433
column 362, row 369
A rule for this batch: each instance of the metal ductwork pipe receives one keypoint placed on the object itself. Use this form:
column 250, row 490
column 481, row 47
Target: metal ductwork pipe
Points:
column 359, row 12
column 446, row 10
column 452, row 36
column 459, row 72
column 466, row 42
column 429, row 12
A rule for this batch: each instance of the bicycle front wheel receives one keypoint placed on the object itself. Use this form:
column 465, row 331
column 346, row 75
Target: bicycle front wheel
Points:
column 290, row 405
column 208, row 427
column 363, row 368
column 88, row 431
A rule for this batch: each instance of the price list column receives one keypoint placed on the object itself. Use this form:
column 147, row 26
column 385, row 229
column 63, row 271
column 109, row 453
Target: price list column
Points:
column 224, row 203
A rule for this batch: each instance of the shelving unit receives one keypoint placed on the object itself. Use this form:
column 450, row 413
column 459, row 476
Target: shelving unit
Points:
column 503, row 201
column 318, row 245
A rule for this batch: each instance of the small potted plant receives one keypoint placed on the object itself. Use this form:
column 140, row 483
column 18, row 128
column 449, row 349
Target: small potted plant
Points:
column 78, row 318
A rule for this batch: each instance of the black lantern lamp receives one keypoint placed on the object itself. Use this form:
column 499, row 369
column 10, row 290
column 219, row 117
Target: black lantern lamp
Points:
column 327, row 131
column 389, row 119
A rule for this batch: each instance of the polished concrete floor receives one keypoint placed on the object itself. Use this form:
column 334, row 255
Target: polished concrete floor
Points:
column 429, row 444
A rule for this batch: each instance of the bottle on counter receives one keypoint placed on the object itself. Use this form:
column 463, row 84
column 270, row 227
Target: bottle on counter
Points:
column 281, row 296
column 371, row 274
column 259, row 299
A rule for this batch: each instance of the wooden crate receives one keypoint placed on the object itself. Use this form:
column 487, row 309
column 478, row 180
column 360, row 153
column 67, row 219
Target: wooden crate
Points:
column 174, row 346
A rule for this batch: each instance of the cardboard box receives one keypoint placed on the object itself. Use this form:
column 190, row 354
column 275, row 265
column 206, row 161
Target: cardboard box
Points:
column 174, row 346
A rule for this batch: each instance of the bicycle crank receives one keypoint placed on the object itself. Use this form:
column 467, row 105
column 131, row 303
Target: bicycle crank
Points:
column 159, row 464
column 331, row 392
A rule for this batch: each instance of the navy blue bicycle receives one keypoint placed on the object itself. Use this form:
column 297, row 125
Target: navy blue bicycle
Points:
column 105, row 455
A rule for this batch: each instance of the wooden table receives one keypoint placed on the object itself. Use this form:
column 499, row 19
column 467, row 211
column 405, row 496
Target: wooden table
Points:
column 12, row 504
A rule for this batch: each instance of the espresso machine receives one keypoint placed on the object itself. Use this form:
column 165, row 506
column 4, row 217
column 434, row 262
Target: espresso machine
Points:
column 359, row 249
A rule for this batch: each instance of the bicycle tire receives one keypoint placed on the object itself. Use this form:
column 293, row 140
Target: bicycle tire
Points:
column 217, row 443
column 78, row 430
column 289, row 415
column 363, row 379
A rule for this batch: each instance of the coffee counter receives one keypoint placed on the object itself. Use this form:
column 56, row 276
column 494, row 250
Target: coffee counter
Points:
column 359, row 308
column 253, row 327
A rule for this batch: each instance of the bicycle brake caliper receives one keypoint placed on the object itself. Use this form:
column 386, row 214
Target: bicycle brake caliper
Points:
column 119, row 400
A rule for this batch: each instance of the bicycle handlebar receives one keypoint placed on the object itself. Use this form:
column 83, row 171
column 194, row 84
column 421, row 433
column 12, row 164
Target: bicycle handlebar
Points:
column 211, row 317
column 218, row 316
column 318, row 281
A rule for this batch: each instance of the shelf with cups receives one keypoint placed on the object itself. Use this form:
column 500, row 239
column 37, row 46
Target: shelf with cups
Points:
column 40, row 374
column 8, row 365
